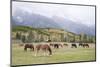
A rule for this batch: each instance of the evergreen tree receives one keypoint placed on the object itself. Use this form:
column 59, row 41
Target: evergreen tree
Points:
column 18, row 36
column 30, row 36
column 23, row 38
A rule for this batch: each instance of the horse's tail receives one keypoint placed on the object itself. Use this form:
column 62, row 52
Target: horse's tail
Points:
column 50, row 51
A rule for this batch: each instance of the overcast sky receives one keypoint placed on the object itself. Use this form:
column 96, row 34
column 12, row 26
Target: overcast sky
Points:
column 83, row 14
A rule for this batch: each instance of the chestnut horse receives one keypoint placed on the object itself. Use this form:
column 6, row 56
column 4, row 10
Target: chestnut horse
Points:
column 43, row 47
column 30, row 46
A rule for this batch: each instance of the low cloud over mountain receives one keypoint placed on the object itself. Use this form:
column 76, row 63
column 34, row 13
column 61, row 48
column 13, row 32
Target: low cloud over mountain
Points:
column 24, row 18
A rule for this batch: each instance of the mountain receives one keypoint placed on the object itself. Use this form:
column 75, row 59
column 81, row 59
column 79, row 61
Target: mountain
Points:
column 75, row 27
column 25, row 18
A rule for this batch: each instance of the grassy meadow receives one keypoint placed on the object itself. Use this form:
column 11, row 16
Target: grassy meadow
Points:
column 65, row 54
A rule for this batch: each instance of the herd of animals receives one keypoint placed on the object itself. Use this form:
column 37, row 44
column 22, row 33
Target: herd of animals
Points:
column 47, row 47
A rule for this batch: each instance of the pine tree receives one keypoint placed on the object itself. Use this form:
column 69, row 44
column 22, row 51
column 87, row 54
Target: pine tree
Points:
column 23, row 38
column 30, row 36
column 18, row 36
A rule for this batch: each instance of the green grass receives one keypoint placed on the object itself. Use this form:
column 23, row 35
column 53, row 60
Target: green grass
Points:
column 20, row 57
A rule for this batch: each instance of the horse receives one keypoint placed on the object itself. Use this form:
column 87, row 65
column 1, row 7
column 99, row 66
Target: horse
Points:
column 51, row 44
column 65, row 45
column 56, row 45
column 86, row 45
column 28, row 46
column 43, row 47
column 73, row 45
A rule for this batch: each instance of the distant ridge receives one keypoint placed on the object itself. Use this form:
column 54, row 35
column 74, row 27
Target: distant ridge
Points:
column 24, row 18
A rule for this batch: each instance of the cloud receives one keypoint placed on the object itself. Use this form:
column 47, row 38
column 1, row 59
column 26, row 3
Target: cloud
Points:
column 80, row 14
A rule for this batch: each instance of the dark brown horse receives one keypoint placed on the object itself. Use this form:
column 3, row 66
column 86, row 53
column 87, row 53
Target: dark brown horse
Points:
column 65, row 45
column 85, row 45
column 56, row 45
column 51, row 44
column 30, row 46
column 73, row 45
column 43, row 47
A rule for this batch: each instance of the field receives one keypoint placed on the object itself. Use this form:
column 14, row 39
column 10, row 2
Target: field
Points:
column 65, row 54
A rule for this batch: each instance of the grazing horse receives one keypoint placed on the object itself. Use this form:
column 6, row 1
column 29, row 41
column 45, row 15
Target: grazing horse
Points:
column 51, row 44
column 66, row 45
column 28, row 46
column 86, row 45
column 73, row 45
column 43, row 47
column 56, row 45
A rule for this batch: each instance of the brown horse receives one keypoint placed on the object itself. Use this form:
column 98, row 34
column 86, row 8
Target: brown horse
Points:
column 85, row 45
column 43, row 47
column 73, row 45
column 30, row 46
column 65, row 45
column 51, row 44
column 56, row 45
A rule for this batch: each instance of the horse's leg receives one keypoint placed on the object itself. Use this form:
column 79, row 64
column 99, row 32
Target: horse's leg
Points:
column 75, row 46
column 83, row 46
column 71, row 46
column 47, row 52
column 36, row 53
column 88, row 46
column 57, row 46
column 33, row 49
column 25, row 49
column 54, row 46
column 30, row 49
column 44, row 52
